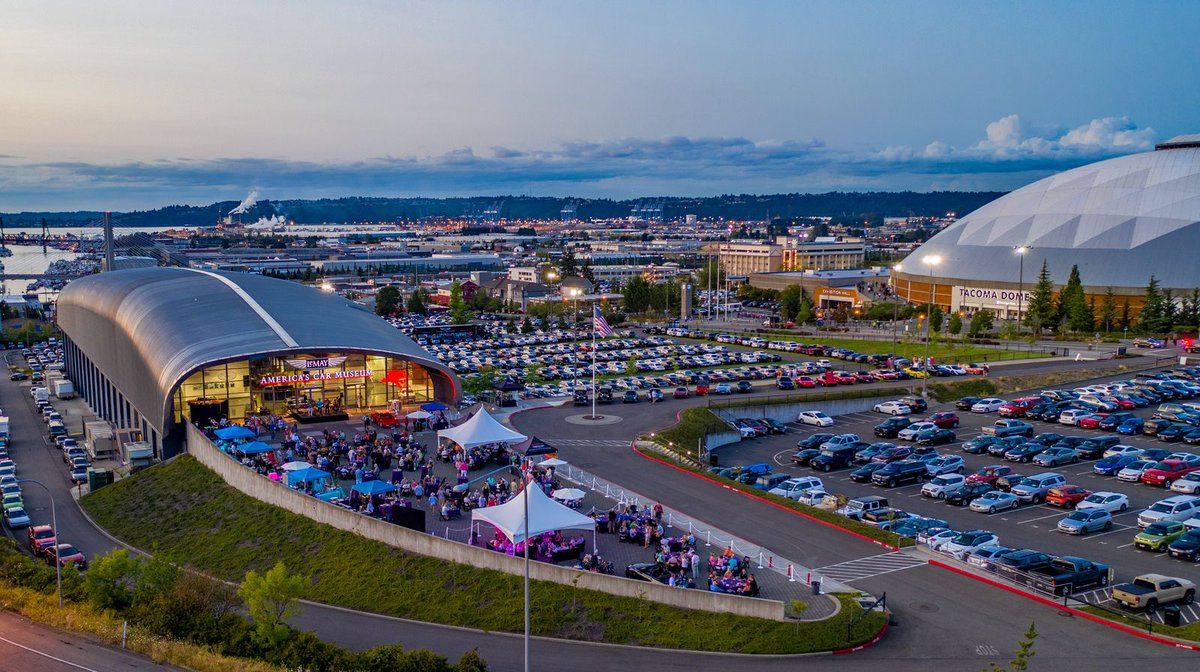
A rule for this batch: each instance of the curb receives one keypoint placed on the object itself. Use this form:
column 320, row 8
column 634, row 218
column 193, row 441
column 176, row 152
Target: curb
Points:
column 869, row 643
column 1075, row 612
column 764, row 500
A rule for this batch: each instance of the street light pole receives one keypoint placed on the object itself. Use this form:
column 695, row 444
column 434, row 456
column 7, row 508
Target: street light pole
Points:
column 931, row 261
column 1020, row 250
column 54, row 524
column 895, row 314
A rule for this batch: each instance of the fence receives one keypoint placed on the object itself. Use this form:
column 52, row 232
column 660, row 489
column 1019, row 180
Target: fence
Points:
column 265, row 490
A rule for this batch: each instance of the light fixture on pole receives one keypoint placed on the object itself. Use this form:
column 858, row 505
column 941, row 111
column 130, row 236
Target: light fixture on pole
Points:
column 931, row 261
column 1020, row 251
column 54, row 524
column 895, row 314
column 575, row 291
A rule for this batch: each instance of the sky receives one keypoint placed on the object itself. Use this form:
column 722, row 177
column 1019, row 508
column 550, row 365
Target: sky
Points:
column 133, row 105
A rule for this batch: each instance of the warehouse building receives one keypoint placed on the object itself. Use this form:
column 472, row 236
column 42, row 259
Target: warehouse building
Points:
column 152, row 348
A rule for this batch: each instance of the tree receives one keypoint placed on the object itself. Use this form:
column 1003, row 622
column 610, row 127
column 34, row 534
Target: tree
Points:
column 981, row 323
column 416, row 302
column 712, row 270
column 585, row 272
column 638, row 295
column 1107, row 316
column 1126, row 320
column 566, row 263
column 1072, row 306
column 789, row 302
column 526, row 326
column 387, row 300
column 955, row 326
column 1041, row 301
column 631, row 366
column 935, row 318
column 482, row 300
column 805, row 314
column 481, row 382
column 459, row 312
column 1153, row 318
column 1020, row 662
column 271, row 599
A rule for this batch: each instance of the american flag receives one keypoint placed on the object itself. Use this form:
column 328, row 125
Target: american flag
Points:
column 599, row 324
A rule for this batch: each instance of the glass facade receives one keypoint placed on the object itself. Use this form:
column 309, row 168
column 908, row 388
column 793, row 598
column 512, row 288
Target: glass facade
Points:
column 308, row 385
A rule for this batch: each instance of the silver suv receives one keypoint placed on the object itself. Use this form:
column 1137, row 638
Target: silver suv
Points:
column 1034, row 488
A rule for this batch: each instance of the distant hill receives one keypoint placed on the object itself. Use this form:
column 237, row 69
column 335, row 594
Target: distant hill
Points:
column 363, row 209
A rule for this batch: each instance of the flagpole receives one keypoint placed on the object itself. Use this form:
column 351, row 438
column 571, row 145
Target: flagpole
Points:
column 594, row 391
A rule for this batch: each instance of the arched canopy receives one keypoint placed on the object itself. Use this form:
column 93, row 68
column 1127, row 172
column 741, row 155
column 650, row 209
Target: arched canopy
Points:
column 481, row 430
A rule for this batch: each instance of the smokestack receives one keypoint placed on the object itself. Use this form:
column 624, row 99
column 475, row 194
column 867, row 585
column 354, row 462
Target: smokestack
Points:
column 109, row 255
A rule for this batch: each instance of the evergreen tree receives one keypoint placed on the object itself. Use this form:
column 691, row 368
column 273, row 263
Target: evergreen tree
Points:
column 1154, row 313
column 526, row 326
column 1072, row 306
column 1191, row 309
column 566, row 264
column 1126, row 321
column 981, row 323
column 1170, row 310
column 387, row 300
column 460, row 313
column 416, row 302
column 585, row 272
column 1107, row 316
column 1090, row 318
column 638, row 295
column 789, row 302
column 935, row 318
column 1040, row 312
column 805, row 314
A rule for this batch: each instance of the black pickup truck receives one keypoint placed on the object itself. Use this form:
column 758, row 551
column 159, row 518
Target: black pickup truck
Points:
column 1066, row 575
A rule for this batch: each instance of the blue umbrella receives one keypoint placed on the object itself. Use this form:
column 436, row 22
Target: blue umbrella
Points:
column 254, row 448
column 434, row 406
column 306, row 475
column 374, row 487
column 234, row 432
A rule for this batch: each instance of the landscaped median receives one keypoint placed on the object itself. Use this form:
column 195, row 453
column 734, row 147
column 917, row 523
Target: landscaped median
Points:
column 187, row 511
column 689, row 430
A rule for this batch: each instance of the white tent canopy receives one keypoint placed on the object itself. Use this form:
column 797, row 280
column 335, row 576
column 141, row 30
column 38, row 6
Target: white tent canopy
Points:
column 480, row 430
column 545, row 515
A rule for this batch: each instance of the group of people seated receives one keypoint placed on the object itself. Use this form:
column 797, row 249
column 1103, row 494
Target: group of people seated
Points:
column 727, row 573
column 546, row 547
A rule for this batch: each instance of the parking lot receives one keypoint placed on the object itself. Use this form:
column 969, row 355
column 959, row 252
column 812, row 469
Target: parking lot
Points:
column 1027, row 526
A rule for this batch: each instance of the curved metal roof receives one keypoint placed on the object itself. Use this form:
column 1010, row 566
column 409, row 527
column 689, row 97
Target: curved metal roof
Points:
column 150, row 328
column 1121, row 220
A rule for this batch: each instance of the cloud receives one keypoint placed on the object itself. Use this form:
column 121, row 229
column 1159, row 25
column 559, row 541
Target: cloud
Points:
column 1010, row 154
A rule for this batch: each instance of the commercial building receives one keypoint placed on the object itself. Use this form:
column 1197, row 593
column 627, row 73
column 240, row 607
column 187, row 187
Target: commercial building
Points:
column 744, row 258
column 824, row 254
column 1120, row 220
column 152, row 348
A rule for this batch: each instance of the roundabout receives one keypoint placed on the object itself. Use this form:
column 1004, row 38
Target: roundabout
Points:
column 588, row 419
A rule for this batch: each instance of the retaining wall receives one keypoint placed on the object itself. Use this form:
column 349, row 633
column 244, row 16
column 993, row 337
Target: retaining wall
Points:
column 788, row 412
column 270, row 492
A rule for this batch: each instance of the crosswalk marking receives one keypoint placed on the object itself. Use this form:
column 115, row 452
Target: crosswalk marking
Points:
column 586, row 442
column 865, row 568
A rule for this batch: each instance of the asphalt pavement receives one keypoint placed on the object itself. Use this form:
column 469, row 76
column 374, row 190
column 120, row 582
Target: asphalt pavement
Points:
column 25, row 645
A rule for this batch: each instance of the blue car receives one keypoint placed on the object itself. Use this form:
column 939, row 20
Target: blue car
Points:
column 1109, row 466
column 1131, row 426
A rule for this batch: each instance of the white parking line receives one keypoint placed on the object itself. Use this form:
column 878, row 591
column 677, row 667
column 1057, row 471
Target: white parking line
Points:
column 1053, row 515
column 1116, row 528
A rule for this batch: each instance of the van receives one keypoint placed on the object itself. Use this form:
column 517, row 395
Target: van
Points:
column 771, row 481
column 856, row 507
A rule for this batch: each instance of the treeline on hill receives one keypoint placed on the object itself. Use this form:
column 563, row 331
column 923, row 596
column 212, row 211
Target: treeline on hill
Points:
column 869, row 205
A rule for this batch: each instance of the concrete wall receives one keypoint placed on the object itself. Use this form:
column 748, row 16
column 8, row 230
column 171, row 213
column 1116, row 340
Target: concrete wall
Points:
column 270, row 492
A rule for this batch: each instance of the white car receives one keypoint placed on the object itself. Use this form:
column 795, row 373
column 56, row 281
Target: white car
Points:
column 1176, row 508
column 794, row 488
column 893, row 408
column 1121, row 449
column 817, row 418
column 1133, row 473
column 936, row 537
column 910, row 433
column 966, row 542
column 1113, row 502
column 940, row 485
column 1189, row 484
column 812, row 497
column 1072, row 416
column 989, row 405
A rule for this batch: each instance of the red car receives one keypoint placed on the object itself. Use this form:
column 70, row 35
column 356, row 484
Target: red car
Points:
column 945, row 420
column 895, row 454
column 805, row 381
column 1091, row 421
column 1017, row 408
column 989, row 474
column 844, row 378
column 41, row 537
column 829, row 379
column 67, row 555
column 384, row 420
column 1122, row 404
column 864, row 377
column 1167, row 472
column 1066, row 496
column 681, row 393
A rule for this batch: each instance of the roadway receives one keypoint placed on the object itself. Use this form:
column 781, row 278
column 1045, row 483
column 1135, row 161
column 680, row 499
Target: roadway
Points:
column 25, row 645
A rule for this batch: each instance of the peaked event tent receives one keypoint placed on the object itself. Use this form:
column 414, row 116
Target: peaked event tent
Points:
column 234, row 432
column 306, row 475
column 545, row 515
column 254, row 448
column 480, row 430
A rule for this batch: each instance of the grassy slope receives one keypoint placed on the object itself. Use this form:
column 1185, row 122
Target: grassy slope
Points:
column 942, row 351
column 186, row 511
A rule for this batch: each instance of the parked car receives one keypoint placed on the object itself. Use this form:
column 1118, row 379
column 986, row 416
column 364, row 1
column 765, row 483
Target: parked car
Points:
column 897, row 473
column 1006, row 428
column 1066, row 496
column 1113, row 502
column 965, row 403
column 837, row 457
column 1034, row 488
column 815, row 418
column 840, row 440
column 1176, row 508
column 1068, row 574
column 1053, row 457
column 16, row 518
column 890, row 428
column 942, row 484
column 793, row 488
column 1110, row 466
column 1157, row 536
column 989, row 474
column 1186, row 547
column 1166, row 472
column 893, row 408
column 966, row 542
column 864, row 473
column 814, row 440
column 947, row 464
column 40, row 538
column 988, row 405
column 935, row 437
column 1083, row 521
column 910, row 433
column 991, row 502
column 983, row 557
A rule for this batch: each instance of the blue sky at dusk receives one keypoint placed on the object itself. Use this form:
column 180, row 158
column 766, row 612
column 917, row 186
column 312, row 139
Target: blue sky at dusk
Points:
column 125, row 105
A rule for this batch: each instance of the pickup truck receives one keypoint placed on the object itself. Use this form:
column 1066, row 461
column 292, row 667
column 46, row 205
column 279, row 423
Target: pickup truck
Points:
column 1003, row 428
column 1067, row 574
column 1149, row 591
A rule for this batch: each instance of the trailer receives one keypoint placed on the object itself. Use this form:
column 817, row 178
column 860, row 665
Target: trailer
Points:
column 63, row 388
column 98, row 438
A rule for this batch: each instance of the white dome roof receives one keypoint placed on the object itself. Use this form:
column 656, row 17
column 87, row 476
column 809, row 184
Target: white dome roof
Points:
column 1121, row 220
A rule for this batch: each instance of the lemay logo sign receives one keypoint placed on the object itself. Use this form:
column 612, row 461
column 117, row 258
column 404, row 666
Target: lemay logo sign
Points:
column 319, row 363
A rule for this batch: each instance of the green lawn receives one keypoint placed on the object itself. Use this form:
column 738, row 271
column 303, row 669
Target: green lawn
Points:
column 186, row 511
column 940, row 351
